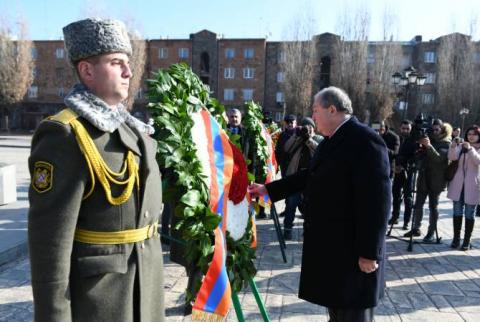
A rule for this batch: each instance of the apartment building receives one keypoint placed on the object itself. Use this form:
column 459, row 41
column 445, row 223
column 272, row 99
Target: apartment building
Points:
column 237, row 70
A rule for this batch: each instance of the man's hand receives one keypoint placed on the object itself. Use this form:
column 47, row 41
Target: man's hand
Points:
column 367, row 265
column 257, row 190
column 425, row 142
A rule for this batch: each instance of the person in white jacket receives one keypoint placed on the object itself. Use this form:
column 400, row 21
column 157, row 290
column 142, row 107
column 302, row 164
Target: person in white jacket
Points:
column 464, row 189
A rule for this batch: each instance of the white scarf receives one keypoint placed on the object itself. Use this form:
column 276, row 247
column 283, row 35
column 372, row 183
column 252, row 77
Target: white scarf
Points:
column 96, row 111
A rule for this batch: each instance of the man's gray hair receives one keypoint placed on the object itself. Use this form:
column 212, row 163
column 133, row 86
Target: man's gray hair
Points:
column 234, row 111
column 334, row 96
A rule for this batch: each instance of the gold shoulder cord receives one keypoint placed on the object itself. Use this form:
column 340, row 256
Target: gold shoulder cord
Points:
column 97, row 166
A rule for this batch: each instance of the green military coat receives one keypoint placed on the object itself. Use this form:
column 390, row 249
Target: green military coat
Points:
column 74, row 281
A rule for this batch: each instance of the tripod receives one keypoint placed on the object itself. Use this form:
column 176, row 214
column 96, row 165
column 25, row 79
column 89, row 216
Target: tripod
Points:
column 412, row 182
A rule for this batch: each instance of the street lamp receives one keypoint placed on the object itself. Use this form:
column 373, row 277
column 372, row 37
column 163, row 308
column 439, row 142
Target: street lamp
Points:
column 410, row 78
column 463, row 112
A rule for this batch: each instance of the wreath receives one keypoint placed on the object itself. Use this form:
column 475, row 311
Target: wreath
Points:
column 175, row 95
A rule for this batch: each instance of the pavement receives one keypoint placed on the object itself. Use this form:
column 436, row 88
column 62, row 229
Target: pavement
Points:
column 431, row 283
column 15, row 149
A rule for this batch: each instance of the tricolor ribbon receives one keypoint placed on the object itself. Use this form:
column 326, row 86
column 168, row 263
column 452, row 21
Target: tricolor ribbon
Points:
column 271, row 166
column 213, row 299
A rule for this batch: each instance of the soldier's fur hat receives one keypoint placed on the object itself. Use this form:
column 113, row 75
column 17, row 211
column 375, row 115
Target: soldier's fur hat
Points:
column 91, row 37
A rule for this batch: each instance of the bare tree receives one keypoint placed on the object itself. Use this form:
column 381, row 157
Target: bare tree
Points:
column 299, row 63
column 384, row 58
column 16, row 67
column 349, row 63
column 457, row 86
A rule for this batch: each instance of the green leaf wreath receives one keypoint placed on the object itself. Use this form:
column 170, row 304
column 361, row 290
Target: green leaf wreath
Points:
column 174, row 95
column 252, row 122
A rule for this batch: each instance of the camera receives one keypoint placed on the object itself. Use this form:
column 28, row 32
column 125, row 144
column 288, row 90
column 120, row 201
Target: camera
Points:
column 458, row 140
column 422, row 127
column 303, row 132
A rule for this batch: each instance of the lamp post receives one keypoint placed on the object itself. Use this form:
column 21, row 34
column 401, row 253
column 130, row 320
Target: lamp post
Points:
column 463, row 112
column 411, row 78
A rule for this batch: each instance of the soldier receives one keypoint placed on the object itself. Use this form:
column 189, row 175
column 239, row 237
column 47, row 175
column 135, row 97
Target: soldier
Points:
column 95, row 195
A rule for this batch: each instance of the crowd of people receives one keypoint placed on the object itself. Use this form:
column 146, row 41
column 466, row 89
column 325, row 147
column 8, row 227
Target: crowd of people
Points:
column 422, row 156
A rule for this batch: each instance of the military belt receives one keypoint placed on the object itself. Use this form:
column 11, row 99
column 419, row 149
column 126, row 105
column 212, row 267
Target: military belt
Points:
column 116, row 237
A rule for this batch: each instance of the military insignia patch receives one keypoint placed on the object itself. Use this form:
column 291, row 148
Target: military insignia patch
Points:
column 42, row 176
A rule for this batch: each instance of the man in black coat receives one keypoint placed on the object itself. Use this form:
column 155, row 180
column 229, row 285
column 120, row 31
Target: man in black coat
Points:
column 347, row 193
column 392, row 141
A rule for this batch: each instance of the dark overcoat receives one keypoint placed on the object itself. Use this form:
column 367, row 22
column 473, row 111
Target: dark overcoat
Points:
column 74, row 281
column 347, row 194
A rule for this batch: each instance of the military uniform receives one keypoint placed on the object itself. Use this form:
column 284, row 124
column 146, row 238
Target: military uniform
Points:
column 94, row 248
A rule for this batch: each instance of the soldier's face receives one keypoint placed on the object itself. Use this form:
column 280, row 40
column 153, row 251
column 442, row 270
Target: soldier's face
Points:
column 109, row 77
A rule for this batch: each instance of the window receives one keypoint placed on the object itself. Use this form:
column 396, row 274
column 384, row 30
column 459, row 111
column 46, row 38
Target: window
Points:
column 371, row 58
column 61, row 92
column 247, row 94
column 406, row 60
column 229, row 53
column 248, row 73
column 139, row 94
column 34, row 53
column 477, row 58
column 33, row 92
column 280, row 77
column 427, row 99
column 59, row 53
column 278, row 116
column 429, row 57
column 248, row 53
column 163, row 53
column 430, row 78
column 183, row 52
column 35, row 72
column 282, row 57
column 280, row 98
column 229, row 73
column 228, row 94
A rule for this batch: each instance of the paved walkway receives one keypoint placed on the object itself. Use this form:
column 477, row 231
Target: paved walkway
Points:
column 432, row 283
column 15, row 149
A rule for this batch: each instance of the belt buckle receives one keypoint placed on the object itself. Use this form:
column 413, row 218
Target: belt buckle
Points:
column 152, row 230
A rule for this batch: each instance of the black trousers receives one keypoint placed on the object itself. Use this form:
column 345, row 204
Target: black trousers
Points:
column 402, row 182
column 350, row 315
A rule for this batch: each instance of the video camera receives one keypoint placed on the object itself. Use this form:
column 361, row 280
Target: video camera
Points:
column 422, row 127
column 302, row 131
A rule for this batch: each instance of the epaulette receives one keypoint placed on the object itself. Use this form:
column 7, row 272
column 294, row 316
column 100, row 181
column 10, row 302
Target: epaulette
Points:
column 65, row 116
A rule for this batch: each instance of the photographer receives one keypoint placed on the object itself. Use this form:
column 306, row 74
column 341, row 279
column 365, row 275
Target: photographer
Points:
column 432, row 160
column 299, row 150
column 403, row 175
column 464, row 187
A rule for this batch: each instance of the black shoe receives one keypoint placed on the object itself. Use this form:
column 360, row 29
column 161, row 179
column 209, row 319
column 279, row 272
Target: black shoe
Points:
column 414, row 232
column 282, row 214
column 393, row 221
column 261, row 216
column 187, row 309
column 287, row 234
column 455, row 243
column 429, row 237
column 405, row 227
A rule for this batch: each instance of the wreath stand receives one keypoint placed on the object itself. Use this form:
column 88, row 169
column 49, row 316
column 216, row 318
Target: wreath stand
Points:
column 235, row 300
column 278, row 228
column 261, row 306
